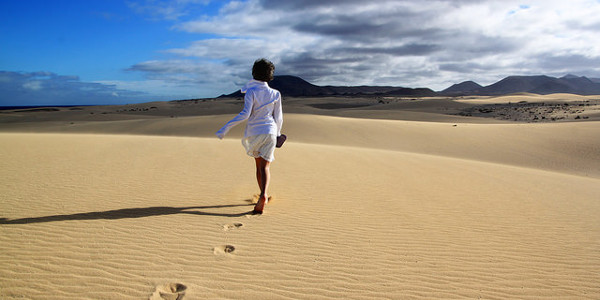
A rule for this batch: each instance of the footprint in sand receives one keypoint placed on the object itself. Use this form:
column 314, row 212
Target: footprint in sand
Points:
column 225, row 249
column 170, row 291
column 228, row 227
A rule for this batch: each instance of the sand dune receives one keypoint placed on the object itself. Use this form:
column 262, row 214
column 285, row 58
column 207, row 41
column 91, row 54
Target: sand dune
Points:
column 563, row 147
column 156, row 208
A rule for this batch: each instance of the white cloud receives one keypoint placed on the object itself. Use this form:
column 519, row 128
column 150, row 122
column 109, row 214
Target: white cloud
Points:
column 165, row 9
column 33, row 85
column 404, row 43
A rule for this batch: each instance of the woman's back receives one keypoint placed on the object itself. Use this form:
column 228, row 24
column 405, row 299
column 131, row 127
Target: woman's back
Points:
column 265, row 114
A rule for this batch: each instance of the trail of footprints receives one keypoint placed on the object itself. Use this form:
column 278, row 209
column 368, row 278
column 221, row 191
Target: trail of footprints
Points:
column 228, row 249
column 176, row 291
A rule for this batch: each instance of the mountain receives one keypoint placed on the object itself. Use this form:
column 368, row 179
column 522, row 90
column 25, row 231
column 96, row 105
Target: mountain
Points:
column 292, row 86
column 583, row 85
column 517, row 84
column 530, row 84
column 462, row 88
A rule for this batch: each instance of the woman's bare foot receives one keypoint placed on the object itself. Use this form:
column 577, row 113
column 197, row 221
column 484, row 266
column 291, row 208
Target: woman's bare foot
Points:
column 260, row 205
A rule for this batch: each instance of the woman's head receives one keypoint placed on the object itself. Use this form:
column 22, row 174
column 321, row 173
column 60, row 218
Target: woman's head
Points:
column 263, row 70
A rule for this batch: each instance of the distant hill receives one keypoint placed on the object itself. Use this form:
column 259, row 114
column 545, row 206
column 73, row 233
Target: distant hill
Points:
column 464, row 87
column 583, row 85
column 517, row 84
column 530, row 84
column 292, row 86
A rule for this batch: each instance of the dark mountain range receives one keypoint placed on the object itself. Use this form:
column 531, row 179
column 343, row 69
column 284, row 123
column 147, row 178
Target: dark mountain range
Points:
column 530, row 84
column 292, row 86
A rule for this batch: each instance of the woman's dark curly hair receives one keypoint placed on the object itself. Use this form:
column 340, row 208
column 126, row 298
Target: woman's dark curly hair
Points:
column 263, row 70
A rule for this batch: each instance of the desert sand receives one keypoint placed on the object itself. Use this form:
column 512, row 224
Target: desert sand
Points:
column 372, row 198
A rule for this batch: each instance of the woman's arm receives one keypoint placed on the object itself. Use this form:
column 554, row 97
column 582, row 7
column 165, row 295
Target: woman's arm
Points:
column 241, row 117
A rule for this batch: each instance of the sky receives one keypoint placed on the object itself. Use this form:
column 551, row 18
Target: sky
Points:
column 70, row 52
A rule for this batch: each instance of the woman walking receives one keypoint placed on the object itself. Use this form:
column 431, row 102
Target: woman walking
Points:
column 262, row 109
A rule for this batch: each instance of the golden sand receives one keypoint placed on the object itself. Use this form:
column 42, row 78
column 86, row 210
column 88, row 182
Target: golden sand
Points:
column 361, row 209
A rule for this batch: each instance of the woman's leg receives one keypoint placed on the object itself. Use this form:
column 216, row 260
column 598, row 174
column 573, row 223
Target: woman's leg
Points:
column 259, row 173
column 263, row 175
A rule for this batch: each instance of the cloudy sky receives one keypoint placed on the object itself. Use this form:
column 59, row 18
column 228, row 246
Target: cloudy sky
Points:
column 125, row 51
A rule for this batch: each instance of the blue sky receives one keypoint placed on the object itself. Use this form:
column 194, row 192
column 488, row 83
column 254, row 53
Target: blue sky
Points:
column 94, row 39
column 91, row 44
column 109, row 51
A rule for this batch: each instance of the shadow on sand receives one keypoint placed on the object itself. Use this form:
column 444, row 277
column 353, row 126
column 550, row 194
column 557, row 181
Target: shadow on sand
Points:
column 131, row 213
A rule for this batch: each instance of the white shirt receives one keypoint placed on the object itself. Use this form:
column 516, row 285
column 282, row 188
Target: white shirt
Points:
column 262, row 109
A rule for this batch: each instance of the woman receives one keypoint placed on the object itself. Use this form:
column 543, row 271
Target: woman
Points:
column 262, row 109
